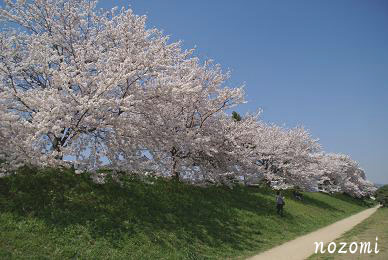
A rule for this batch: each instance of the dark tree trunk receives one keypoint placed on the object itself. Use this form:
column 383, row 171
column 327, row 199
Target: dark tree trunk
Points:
column 174, row 172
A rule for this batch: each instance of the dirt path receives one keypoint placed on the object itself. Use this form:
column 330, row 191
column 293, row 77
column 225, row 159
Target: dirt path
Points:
column 303, row 247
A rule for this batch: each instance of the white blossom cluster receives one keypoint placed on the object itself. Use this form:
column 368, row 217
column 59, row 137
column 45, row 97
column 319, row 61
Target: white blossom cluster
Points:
column 101, row 88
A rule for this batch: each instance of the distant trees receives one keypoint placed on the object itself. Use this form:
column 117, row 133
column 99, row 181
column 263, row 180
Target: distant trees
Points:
column 100, row 88
column 382, row 195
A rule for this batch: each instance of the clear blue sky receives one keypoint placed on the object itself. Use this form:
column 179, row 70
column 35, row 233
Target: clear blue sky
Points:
column 321, row 64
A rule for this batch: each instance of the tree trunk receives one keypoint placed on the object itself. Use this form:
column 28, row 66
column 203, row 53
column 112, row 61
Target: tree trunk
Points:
column 175, row 174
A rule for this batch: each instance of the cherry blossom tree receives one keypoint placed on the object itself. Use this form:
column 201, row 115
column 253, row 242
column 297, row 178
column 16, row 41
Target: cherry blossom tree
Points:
column 339, row 173
column 100, row 87
column 178, row 124
column 285, row 154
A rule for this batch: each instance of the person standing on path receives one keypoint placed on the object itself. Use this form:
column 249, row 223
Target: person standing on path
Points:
column 279, row 203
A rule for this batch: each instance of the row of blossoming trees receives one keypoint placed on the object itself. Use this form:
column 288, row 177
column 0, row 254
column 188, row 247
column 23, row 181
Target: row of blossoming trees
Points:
column 100, row 88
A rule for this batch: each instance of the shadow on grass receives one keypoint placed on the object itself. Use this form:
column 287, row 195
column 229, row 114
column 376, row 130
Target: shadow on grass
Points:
column 319, row 203
column 191, row 215
column 309, row 200
column 349, row 199
column 62, row 199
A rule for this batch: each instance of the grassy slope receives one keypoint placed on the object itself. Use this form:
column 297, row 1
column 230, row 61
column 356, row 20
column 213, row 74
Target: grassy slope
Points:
column 376, row 225
column 49, row 215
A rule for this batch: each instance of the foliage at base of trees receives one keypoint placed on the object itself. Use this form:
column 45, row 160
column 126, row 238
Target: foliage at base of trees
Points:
column 382, row 195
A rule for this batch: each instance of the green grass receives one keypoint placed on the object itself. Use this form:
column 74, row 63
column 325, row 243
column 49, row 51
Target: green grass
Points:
column 376, row 225
column 48, row 214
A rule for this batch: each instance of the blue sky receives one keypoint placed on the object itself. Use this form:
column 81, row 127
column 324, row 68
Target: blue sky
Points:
column 321, row 64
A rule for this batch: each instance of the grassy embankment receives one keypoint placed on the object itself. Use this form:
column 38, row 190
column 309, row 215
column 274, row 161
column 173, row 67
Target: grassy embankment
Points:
column 367, row 231
column 44, row 214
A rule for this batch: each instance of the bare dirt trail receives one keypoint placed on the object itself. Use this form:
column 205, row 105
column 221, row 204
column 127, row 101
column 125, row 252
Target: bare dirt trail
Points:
column 303, row 247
